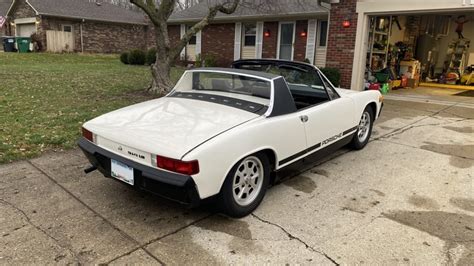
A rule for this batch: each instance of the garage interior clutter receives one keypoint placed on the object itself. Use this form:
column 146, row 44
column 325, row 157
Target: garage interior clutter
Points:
column 430, row 49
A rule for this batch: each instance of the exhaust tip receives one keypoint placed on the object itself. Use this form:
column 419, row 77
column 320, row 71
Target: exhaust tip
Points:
column 92, row 168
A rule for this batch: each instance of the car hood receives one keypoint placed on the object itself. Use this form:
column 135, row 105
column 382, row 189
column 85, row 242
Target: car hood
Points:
column 168, row 126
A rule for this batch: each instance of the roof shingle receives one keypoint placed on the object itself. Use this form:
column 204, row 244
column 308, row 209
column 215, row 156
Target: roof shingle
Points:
column 4, row 6
column 254, row 9
column 88, row 10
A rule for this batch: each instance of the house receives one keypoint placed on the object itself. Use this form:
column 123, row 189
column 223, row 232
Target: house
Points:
column 284, row 29
column 354, row 36
column 4, row 5
column 78, row 25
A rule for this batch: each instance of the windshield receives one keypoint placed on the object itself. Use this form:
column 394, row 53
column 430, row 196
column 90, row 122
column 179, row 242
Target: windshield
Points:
column 221, row 82
column 294, row 75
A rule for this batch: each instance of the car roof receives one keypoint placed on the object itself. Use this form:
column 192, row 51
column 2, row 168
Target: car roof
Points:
column 237, row 71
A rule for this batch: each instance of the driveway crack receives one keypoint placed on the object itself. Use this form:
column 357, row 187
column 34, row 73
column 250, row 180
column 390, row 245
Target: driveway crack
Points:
column 124, row 234
column 28, row 220
column 291, row 236
column 412, row 125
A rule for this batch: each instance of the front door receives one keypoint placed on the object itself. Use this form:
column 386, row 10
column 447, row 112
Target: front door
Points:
column 287, row 36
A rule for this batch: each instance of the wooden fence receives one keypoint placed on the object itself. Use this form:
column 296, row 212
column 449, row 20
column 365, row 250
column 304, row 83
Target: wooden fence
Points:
column 59, row 41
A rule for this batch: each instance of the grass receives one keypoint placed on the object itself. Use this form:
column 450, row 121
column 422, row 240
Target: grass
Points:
column 45, row 98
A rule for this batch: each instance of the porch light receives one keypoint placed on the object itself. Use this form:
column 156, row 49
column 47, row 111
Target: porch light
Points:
column 304, row 33
column 267, row 33
column 346, row 23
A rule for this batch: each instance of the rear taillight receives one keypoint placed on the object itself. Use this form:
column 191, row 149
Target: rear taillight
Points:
column 173, row 165
column 88, row 135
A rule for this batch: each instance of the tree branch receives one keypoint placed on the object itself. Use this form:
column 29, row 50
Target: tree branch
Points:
column 149, row 8
column 226, row 8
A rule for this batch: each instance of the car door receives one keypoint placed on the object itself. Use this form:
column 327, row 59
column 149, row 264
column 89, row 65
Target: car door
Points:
column 329, row 120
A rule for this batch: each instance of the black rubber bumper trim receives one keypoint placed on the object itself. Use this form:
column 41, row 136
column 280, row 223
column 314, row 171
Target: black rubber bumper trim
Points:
column 169, row 185
column 380, row 111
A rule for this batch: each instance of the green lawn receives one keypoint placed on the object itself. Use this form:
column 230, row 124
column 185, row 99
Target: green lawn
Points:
column 45, row 98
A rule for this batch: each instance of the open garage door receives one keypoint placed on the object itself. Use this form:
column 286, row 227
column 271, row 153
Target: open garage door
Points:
column 419, row 56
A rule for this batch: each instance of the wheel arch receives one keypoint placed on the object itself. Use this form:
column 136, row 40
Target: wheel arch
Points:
column 268, row 151
column 373, row 105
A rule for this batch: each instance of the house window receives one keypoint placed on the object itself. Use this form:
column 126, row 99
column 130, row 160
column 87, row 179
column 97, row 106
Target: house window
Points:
column 67, row 28
column 250, row 34
column 192, row 41
column 323, row 33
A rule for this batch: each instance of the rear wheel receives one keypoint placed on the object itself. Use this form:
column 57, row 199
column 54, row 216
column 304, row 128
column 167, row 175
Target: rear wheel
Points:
column 245, row 185
column 364, row 130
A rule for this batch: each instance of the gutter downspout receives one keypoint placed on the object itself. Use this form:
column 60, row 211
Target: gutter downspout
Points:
column 82, row 38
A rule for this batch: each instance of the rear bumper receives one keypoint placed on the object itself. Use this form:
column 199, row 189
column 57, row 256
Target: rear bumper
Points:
column 169, row 185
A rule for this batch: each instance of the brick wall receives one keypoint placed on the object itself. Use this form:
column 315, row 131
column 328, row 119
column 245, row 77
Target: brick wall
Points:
column 98, row 37
column 269, row 48
column 300, row 42
column 174, row 33
column 218, row 40
column 341, row 41
column 113, row 38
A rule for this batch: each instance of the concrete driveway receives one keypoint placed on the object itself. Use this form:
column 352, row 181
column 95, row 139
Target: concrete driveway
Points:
column 408, row 198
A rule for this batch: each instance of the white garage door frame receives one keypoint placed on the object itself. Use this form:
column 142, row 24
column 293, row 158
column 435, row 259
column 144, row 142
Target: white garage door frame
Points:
column 366, row 8
column 24, row 21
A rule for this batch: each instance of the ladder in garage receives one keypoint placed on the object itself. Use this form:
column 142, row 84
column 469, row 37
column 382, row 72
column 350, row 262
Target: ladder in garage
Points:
column 460, row 48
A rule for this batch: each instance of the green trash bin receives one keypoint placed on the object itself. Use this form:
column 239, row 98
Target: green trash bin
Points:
column 23, row 44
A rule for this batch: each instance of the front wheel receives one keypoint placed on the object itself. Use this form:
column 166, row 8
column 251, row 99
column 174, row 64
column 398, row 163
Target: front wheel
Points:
column 245, row 185
column 364, row 130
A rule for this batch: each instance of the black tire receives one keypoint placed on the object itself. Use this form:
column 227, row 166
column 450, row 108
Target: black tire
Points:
column 358, row 141
column 229, row 204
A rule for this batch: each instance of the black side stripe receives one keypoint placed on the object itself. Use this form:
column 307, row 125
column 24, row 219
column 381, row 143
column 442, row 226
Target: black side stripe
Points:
column 349, row 131
column 310, row 149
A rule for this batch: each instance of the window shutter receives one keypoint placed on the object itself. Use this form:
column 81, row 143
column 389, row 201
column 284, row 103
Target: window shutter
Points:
column 311, row 39
column 238, row 40
column 183, row 31
column 259, row 40
column 198, row 43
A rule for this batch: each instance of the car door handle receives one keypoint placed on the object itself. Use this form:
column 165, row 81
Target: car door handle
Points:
column 304, row 118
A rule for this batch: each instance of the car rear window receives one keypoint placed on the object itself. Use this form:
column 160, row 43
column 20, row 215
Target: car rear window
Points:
column 224, row 82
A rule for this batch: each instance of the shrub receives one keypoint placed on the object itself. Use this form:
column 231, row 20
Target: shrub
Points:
column 151, row 56
column 136, row 57
column 124, row 58
column 333, row 74
column 306, row 60
column 207, row 61
column 210, row 61
column 198, row 62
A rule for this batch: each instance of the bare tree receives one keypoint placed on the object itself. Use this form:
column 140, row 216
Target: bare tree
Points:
column 167, row 53
column 185, row 4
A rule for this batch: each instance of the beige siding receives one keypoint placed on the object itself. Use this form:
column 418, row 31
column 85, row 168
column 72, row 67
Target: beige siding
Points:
column 320, row 57
column 191, row 52
column 248, row 52
column 59, row 41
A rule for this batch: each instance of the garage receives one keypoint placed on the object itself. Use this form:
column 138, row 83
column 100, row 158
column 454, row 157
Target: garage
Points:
column 25, row 30
column 413, row 45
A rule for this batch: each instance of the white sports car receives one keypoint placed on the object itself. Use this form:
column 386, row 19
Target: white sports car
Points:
column 226, row 131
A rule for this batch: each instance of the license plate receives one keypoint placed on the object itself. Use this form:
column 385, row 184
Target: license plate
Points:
column 122, row 172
